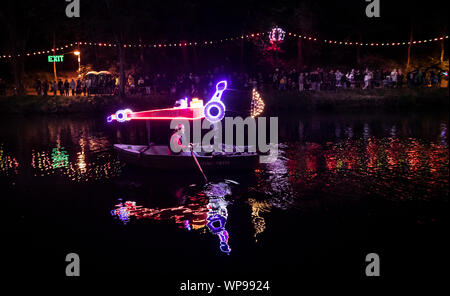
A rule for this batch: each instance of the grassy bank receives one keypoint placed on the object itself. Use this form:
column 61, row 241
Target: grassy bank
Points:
column 276, row 101
column 76, row 104
column 359, row 99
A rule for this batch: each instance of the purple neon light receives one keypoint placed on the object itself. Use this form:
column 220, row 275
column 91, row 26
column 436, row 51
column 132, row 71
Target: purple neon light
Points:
column 225, row 248
column 220, row 111
column 215, row 102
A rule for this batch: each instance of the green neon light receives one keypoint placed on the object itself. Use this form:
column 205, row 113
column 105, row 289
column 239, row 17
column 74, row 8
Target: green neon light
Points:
column 56, row 58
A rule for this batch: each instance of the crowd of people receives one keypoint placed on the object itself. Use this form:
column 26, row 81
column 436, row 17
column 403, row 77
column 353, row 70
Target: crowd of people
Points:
column 322, row 79
column 63, row 88
column 201, row 85
column 192, row 84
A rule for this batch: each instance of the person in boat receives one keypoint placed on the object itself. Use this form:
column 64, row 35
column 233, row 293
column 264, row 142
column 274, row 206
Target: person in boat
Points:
column 176, row 142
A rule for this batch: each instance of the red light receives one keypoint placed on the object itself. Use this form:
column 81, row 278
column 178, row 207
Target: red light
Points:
column 192, row 113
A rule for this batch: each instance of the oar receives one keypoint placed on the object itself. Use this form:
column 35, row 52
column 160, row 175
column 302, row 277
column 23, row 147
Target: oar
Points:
column 198, row 165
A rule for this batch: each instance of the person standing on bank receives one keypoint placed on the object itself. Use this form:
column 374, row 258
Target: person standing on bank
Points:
column 72, row 86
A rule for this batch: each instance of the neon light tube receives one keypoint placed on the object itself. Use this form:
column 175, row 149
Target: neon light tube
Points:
column 196, row 111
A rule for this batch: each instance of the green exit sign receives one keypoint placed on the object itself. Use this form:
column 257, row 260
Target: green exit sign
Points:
column 55, row 58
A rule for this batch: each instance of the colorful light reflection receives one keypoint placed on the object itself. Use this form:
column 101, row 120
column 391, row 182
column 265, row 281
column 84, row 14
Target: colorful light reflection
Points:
column 207, row 209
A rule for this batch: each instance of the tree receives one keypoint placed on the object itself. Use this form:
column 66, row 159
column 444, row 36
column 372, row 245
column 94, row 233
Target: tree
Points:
column 13, row 16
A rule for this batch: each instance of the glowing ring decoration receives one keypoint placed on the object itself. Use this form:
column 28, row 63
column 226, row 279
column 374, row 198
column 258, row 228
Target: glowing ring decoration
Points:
column 109, row 119
column 220, row 114
column 122, row 115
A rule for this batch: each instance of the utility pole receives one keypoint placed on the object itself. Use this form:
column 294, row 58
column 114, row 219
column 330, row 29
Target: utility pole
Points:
column 54, row 62
column 408, row 62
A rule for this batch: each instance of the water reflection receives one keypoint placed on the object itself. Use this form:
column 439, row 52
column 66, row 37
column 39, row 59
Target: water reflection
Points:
column 443, row 135
column 258, row 208
column 217, row 218
column 8, row 163
column 60, row 147
column 322, row 161
column 275, row 180
column 391, row 164
column 78, row 168
column 203, row 209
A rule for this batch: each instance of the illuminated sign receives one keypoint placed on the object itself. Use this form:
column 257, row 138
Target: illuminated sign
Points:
column 55, row 58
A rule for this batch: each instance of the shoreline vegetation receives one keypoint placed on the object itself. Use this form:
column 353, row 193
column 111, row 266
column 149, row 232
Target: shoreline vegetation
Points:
column 278, row 102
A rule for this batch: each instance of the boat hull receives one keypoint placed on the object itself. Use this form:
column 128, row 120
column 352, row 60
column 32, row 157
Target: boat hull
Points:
column 158, row 157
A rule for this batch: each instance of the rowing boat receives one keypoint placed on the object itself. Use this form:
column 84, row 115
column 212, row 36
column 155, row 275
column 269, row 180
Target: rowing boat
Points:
column 159, row 157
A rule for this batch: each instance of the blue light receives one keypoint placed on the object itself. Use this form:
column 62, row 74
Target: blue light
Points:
column 122, row 115
column 225, row 248
column 216, row 103
column 221, row 86
column 219, row 106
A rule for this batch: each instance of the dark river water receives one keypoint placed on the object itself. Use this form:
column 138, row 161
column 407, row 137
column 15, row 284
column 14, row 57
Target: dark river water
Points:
column 343, row 186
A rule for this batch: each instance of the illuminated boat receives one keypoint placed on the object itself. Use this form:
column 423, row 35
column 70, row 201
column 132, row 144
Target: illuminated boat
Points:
column 160, row 156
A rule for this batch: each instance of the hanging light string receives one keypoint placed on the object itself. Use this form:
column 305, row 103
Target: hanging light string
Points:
column 219, row 41
column 139, row 45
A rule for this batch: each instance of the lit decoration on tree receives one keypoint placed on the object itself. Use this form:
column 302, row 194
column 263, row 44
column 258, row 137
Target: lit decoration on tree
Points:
column 257, row 104
column 276, row 36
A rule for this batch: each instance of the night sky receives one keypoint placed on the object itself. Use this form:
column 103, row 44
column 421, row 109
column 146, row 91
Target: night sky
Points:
column 37, row 22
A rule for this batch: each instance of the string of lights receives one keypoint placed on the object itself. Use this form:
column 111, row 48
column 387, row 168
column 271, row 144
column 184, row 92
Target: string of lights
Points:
column 219, row 41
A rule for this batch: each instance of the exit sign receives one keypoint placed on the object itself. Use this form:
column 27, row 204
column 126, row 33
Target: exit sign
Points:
column 55, row 58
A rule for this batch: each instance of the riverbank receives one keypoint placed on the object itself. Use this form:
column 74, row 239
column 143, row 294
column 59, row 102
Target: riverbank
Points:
column 391, row 99
column 276, row 101
column 77, row 104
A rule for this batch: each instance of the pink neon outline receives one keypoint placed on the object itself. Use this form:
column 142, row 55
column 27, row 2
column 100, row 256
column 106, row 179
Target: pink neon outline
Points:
column 215, row 98
column 137, row 117
column 187, row 118
column 173, row 108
